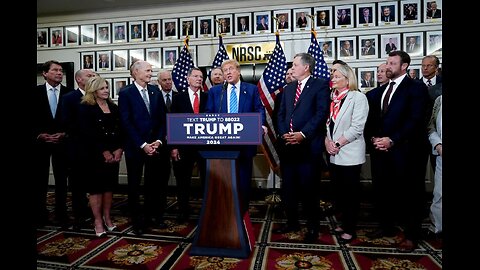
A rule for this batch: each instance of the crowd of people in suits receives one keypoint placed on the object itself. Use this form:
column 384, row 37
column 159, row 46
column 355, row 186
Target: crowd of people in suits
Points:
column 395, row 122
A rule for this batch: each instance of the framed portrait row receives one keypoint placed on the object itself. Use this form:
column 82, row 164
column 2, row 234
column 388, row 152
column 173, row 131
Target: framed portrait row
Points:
column 361, row 15
column 120, row 60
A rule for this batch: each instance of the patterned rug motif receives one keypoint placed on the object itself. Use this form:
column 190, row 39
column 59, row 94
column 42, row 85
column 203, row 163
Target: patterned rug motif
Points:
column 66, row 248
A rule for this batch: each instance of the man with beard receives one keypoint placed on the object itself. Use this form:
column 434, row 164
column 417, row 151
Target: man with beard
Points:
column 396, row 133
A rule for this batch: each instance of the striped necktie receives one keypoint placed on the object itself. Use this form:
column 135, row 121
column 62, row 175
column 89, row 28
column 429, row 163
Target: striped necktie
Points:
column 145, row 99
column 233, row 100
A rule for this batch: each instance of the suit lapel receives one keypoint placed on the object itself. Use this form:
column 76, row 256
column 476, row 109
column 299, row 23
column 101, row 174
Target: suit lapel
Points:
column 243, row 97
column 347, row 103
column 305, row 91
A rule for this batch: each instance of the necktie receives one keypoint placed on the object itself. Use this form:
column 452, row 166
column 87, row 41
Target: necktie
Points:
column 429, row 83
column 387, row 97
column 297, row 95
column 196, row 103
column 233, row 101
column 52, row 100
column 168, row 102
column 367, row 83
column 411, row 47
column 145, row 99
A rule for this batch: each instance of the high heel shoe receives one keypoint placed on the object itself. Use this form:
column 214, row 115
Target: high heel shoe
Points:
column 111, row 229
column 99, row 234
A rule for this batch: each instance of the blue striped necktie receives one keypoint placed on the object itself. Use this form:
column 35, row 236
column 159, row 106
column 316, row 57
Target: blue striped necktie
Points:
column 52, row 100
column 233, row 101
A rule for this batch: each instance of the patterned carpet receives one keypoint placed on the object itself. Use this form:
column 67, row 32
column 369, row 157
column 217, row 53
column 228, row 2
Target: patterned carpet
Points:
column 65, row 248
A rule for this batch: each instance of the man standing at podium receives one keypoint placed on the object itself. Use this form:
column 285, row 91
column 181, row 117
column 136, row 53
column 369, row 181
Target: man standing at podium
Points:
column 235, row 96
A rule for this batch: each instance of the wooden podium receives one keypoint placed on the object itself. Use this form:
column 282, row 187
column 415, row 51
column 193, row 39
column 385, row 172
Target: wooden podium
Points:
column 222, row 229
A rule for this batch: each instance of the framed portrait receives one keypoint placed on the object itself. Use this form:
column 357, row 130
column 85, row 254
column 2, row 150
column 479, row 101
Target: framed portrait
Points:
column 87, row 34
column 135, row 55
column 135, row 31
column 118, row 84
column 413, row 43
column 193, row 53
column 434, row 42
column 366, row 78
column 103, row 33
column 154, row 57
column 42, row 37
column 56, row 36
column 205, row 26
column 413, row 71
column 71, row 36
column 302, row 20
column 367, row 47
column 119, row 32
column 366, row 15
column 409, row 11
column 104, row 61
column 344, row 16
column 433, row 10
column 224, row 24
column 88, row 60
column 243, row 22
column 188, row 27
column 282, row 21
column 170, row 29
column 387, row 13
column 262, row 22
column 347, row 48
column 120, row 59
column 153, row 30
column 328, row 47
column 389, row 43
column 170, row 56
column 323, row 17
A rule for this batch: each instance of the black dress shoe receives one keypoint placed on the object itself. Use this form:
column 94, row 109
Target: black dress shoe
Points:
column 286, row 229
column 311, row 236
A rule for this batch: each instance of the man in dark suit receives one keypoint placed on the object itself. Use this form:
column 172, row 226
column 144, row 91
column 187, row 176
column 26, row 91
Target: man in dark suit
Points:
column 322, row 19
column 87, row 62
column 49, row 142
column 192, row 100
column 283, row 23
column 365, row 18
column 205, row 29
column 430, row 65
column 396, row 131
column 248, row 100
column 262, row 25
column 367, row 79
column 119, row 32
column 434, row 12
column 302, row 20
column 344, row 17
column 390, row 46
column 301, row 124
column 368, row 49
column 170, row 29
column 69, row 106
column 143, row 119
column 153, row 30
column 412, row 46
column 387, row 15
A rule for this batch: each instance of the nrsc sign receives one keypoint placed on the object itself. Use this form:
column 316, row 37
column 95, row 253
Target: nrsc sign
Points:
column 251, row 53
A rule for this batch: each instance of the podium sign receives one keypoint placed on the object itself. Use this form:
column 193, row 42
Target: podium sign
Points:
column 214, row 129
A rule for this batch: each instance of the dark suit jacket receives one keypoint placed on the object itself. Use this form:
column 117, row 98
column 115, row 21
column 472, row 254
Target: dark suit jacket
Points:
column 69, row 105
column 308, row 116
column 406, row 119
column 249, row 101
column 302, row 22
column 284, row 26
column 139, row 125
column 389, row 48
column 42, row 119
column 362, row 20
column 438, row 14
column 436, row 90
column 416, row 47
column 262, row 26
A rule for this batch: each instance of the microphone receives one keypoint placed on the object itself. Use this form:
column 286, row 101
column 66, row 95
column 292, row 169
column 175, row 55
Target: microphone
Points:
column 224, row 88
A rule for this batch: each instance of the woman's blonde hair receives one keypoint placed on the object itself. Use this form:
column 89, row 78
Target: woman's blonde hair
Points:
column 93, row 84
column 347, row 71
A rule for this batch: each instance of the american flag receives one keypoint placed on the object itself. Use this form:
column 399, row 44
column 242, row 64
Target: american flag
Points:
column 181, row 67
column 219, row 58
column 270, row 84
column 321, row 68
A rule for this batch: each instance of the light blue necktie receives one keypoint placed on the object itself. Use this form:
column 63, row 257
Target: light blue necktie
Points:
column 233, row 101
column 145, row 99
column 52, row 99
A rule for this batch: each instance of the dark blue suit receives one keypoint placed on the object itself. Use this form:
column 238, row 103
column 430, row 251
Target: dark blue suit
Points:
column 141, row 127
column 249, row 101
column 70, row 106
column 188, row 153
column 301, row 163
column 399, row 174
column 43, row 122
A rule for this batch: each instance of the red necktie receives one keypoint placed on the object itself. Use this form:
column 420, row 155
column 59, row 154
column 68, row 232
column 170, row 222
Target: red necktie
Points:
column 196, row 103
column 297, row 95
column 387, row 97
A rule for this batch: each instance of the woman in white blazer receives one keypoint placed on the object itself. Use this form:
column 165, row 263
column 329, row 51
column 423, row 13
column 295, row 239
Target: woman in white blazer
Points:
column 346, row 146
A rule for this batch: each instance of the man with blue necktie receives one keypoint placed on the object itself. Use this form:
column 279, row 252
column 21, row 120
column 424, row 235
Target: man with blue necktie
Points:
column 235, row 96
